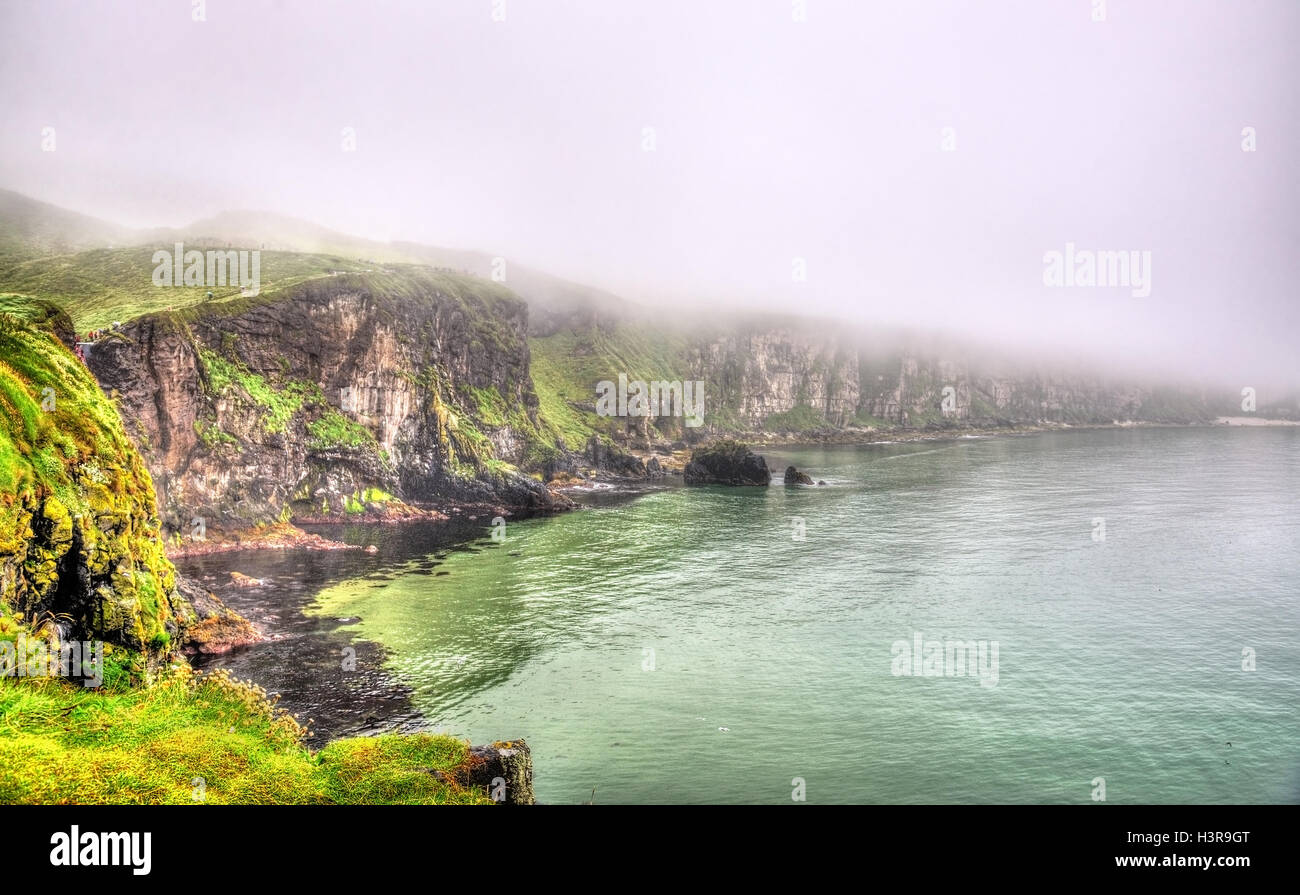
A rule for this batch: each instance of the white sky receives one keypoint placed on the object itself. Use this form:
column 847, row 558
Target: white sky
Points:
column 774, row 140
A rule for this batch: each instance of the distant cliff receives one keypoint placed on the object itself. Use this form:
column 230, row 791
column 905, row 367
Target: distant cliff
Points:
column 798, row 379
column 342, row 397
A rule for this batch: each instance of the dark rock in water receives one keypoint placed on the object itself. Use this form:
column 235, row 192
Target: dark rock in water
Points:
column 821, row 482
column 511, row 762
column 795, row 477
column 653, row 468
column 727, row 462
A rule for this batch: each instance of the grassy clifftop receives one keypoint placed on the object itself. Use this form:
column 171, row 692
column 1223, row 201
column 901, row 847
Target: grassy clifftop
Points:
column 204, row 739
column 99, row 286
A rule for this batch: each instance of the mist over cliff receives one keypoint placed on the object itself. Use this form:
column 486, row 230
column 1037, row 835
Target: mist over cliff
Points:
column 904, row 166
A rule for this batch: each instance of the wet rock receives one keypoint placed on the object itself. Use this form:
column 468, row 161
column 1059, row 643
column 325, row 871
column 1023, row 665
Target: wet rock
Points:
column 727, row 463
column 504, row 769
column 206, row 625
column 611, row 458
column 239, row 579
column 795, row 477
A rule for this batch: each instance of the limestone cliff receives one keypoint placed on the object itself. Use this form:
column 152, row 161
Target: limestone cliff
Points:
column 783, row 377
column 758, row 373
column 339, row 397
column 789, row 379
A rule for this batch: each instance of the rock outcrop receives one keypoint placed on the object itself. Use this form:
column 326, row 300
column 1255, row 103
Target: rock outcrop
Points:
column 760, row 372
column 339, row 398
column 81, row 550
column 207, row 626
column 504, row 769
column 726, row 463
column 795, row 477
column 786, row 379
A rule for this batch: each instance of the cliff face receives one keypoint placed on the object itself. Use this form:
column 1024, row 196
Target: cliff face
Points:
column 910, row 391
column 786, row 380
column 789, row 378
column 80, row 547
column 755, row 374
column 342, row 396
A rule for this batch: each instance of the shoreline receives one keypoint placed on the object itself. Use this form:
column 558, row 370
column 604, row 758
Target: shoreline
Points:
column 636, row 488
column 611, row 484
column 289, row 536
column 904, row 436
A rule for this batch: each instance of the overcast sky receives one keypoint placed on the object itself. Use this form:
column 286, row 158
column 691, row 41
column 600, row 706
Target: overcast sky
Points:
column 773, row 139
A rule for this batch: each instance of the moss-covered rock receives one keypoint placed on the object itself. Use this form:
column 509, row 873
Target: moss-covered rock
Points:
column 79, row 535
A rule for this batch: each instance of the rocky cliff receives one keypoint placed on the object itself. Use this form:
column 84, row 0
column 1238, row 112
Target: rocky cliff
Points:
column 790, row 379
column 787, row 378
column 341, row 397
column 81, row 550
column 757, row 373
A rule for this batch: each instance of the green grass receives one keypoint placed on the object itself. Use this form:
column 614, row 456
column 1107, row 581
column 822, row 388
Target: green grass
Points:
column 277, row 403
column 488, row 404
column 23, row 307
column 797, row 419
column 333, row 430
column 63, row 743
column 29, row 228
column 866, row 420
column 567, row 366
column 212, row 436
column 99, row 286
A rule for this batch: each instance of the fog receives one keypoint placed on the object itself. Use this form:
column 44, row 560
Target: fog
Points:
column 771, row 140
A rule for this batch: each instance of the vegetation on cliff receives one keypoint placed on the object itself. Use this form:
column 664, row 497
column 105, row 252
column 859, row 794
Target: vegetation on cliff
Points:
column 406, row 381
column 99, row 286
column 79, row 538
column 567, row 365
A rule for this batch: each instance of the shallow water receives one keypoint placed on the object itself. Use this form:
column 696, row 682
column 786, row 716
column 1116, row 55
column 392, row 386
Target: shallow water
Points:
column 686, row 647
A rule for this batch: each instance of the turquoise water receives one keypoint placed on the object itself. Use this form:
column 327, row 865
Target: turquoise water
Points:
column 1118, row 658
